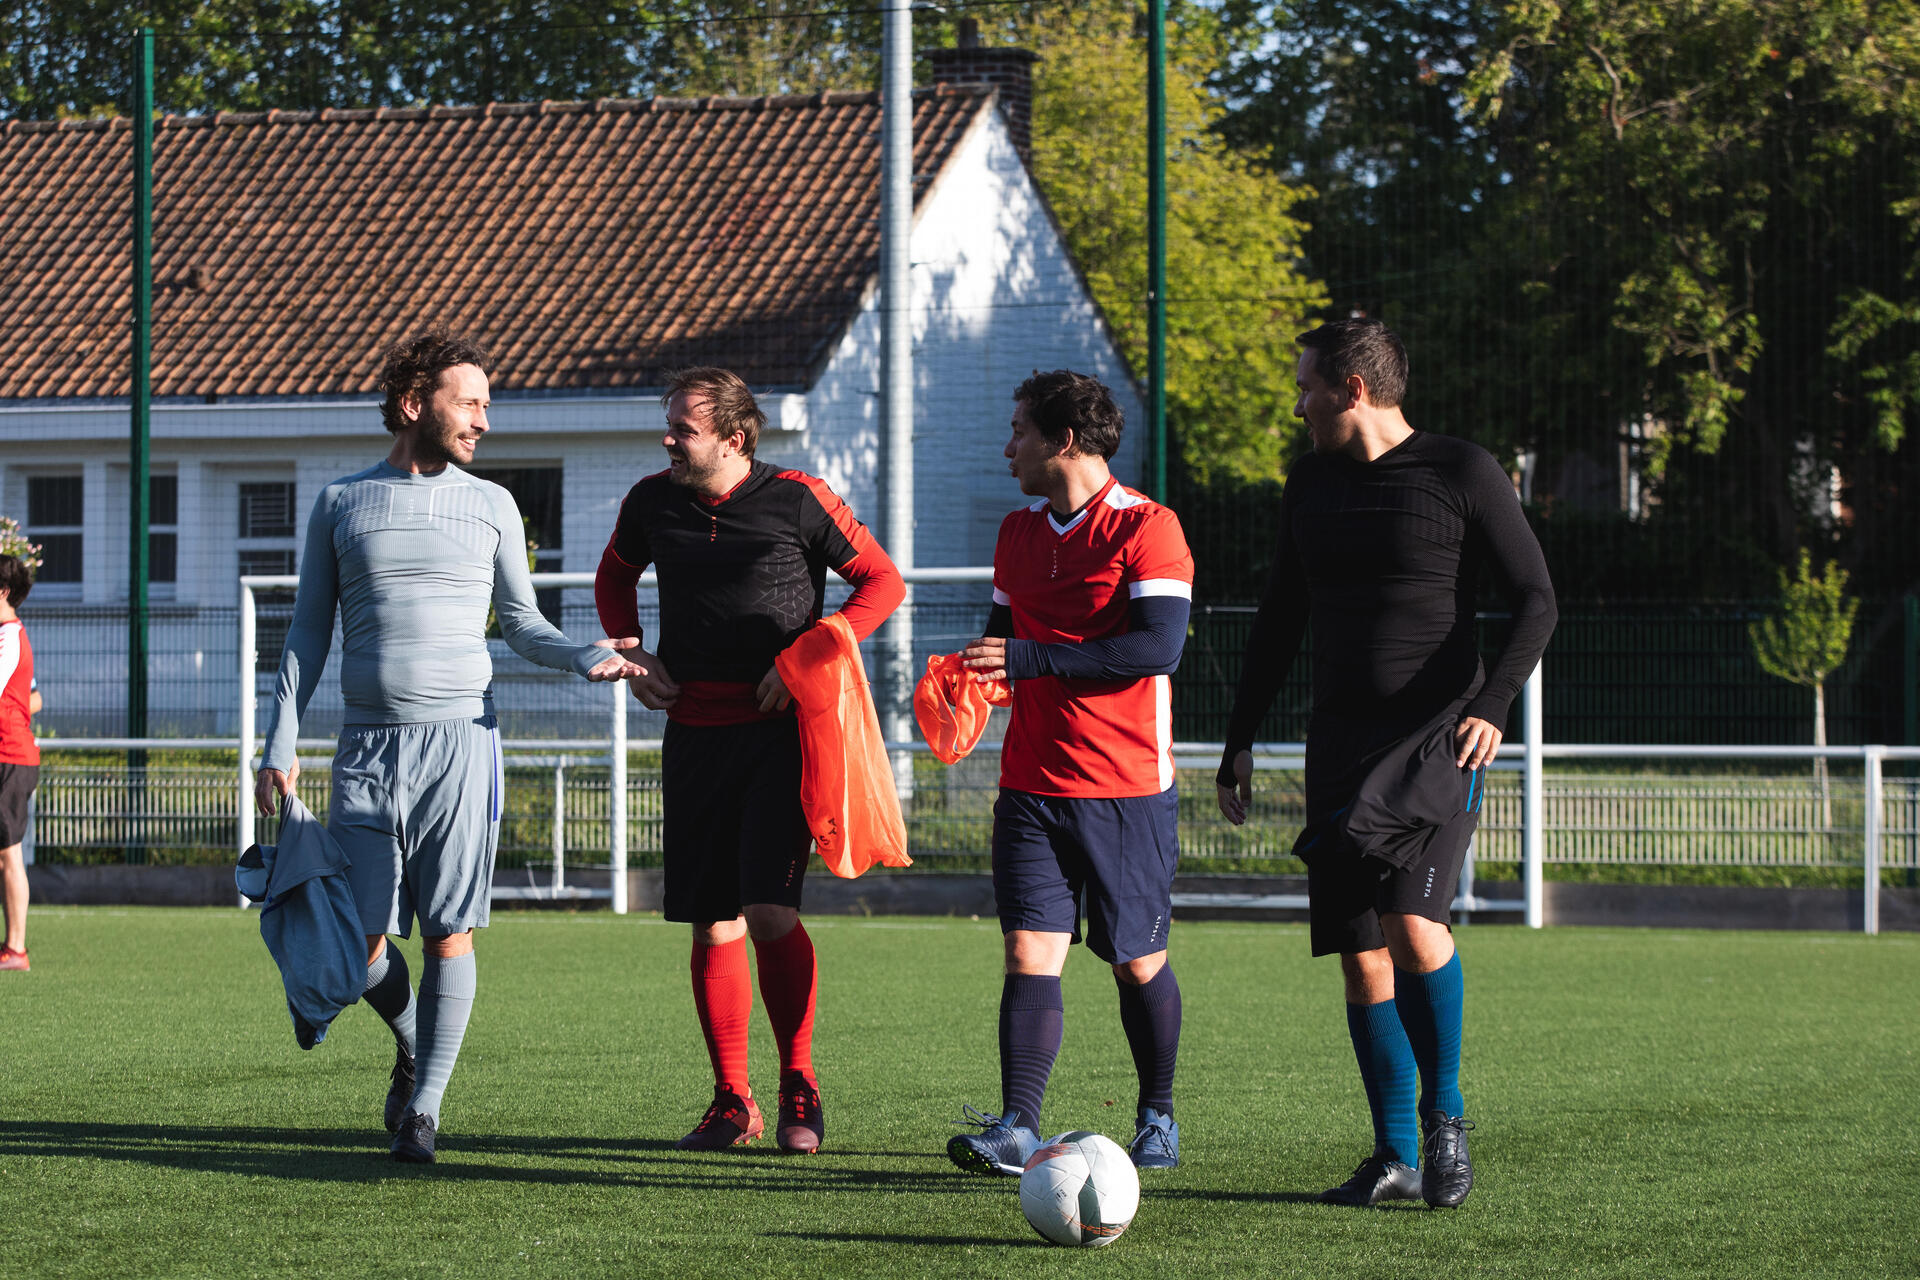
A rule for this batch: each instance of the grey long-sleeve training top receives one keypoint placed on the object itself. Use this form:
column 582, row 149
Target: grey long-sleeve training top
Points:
column 412, row 562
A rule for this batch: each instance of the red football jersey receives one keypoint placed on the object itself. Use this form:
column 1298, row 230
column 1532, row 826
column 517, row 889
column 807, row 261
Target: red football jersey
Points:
column 16, row 683
column 1068, row 584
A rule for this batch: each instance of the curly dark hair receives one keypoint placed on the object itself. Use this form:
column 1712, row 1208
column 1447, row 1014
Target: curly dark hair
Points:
column 15, row 579
column 1343, row 348
column 1063, row 401
column 413, row 365
column 730, row 403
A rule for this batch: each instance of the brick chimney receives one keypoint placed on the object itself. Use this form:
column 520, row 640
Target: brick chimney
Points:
column 1009, row 70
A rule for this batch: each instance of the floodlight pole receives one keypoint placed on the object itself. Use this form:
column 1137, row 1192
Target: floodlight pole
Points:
column 896, row 368
column 139, row 460
column 141, row 427
column 1157, row 250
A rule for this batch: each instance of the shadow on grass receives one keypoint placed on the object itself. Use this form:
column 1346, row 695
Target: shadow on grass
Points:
column 360, row 1155
column 1149, row 1191
column 869, row 1237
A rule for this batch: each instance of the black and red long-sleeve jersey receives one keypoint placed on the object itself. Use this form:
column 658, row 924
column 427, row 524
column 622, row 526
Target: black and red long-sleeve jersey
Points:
column 741, row 576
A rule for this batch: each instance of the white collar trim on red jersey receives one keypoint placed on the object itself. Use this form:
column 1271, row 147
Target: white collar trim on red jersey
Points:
column 1116, row 496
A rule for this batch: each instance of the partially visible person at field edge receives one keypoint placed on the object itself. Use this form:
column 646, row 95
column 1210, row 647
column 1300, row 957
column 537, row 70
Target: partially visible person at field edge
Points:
column 1384, row 534
column 19, row 755
column 741, row 548
column 1092, row 586
column 412, row 551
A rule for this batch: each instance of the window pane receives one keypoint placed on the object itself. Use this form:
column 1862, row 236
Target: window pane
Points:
column 536, row 491
column 266, row 510
column 59, row 557
column 163, row 502
column 162, row 552
column 266, row 562
column 55, row 500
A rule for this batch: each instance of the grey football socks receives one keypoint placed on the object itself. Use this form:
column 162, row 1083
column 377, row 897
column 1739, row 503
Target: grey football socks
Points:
column 390, row 993
column 446, row 1001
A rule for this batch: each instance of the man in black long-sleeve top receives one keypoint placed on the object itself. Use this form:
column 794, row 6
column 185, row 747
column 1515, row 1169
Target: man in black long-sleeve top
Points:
column 1384, row 532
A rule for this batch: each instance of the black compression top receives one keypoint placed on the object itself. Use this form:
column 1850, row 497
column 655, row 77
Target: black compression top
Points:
column 1384, row 558
column 741, row 575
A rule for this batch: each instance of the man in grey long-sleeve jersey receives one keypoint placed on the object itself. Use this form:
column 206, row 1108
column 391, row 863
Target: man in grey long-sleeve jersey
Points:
column 412, row 551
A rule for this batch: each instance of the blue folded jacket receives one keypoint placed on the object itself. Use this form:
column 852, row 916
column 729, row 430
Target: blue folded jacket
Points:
column 308, row 919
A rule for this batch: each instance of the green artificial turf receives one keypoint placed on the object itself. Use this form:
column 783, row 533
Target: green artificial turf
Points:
column 1649, row 1104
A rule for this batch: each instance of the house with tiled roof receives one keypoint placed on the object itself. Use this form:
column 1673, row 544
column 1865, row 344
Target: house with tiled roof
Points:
column 592, row 246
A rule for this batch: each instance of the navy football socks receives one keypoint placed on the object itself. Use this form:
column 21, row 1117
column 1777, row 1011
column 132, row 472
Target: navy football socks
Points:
column 1150, row 1015
column 1032, row 1022
column 1388, row 1072
column 1430, row 1009
column 390, row 993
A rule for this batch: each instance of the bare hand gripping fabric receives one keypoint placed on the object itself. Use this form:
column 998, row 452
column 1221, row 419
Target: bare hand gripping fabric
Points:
column 846, row 780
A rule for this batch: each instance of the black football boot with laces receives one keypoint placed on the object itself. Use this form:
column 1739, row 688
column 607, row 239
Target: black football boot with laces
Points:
column 1446, row 1174
column 413, row 1143
column 1378, row 1180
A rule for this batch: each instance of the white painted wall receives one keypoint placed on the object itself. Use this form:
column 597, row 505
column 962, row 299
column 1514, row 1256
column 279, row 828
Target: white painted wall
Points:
column 995, row 297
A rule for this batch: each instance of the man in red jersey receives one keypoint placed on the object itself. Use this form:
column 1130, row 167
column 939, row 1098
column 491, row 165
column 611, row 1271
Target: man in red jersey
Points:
column 19, row 755
column 1092, row 585
column 742, row 549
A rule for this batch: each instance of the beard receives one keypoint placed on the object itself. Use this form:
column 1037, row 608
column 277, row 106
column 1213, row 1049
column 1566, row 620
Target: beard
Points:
column 693, row 475
column 434, row 439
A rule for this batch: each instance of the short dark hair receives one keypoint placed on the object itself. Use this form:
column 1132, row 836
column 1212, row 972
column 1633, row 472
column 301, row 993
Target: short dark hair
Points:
column 413, row 365
column 15, row 579
column 1063, row 401
column 1343, row 348
column 730, row 402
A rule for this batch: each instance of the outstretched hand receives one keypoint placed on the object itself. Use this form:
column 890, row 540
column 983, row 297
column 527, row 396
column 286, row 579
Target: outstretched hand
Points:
column 616, row 667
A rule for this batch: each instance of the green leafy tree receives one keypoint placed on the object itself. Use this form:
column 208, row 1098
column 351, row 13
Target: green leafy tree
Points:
column 1682, row 229
column 1236, row 287
column 1806, row 640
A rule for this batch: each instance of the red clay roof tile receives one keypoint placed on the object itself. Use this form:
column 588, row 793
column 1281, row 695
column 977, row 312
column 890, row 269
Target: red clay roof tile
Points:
column 588, row 244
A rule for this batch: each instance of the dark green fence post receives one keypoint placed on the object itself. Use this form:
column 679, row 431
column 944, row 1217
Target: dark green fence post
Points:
column 1157, row 249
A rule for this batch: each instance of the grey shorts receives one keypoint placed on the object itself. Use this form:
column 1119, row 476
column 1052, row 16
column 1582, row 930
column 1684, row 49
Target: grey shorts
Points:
column 417, row 809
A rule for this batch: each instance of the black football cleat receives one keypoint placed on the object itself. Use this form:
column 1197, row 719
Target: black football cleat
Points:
column 413, row 1143
column 1376, row 1181
column 1446, row 1174
column 400, row 1091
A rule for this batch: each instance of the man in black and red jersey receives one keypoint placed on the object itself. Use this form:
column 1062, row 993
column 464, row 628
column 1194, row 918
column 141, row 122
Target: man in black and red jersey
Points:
column 1092, row 584
column 741, row 548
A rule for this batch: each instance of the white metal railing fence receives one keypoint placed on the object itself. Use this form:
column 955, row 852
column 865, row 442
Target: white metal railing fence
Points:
column 595, row 809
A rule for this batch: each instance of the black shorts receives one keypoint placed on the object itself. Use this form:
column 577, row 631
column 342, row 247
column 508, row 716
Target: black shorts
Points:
column 17, row 782
column 733, row 831
column 1348, row 893
column 1052, row 854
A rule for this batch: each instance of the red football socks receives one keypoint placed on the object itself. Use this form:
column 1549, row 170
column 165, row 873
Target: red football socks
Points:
column 788, row 980
column 723, row 996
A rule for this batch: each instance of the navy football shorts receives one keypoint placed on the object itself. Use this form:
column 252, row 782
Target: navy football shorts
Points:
column 1056, row 857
